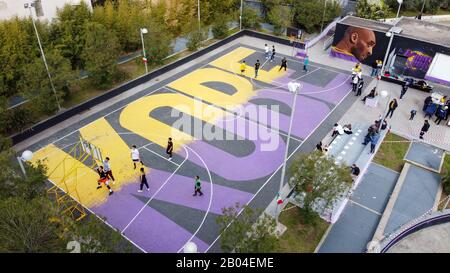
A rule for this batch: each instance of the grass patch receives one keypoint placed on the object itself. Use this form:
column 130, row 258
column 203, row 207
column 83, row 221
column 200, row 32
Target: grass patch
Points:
column 392, row 151
column 299, row 238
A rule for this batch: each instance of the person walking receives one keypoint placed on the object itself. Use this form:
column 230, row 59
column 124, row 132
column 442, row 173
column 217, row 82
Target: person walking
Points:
column 404, row 89
column 197, row 186
column 373, row 142
column 305, row 64
column 257, row 65
column 412, row 114
column 360, row 87
column 169, row 148
column 243, row 67
column 107, row 168
column 143, row 179
column 103, row 179
column 392, row 106
column 283, row 64
column 355, row 171
column 267, row 51
column 425, row 128
column 272, row 57
column 135, row 157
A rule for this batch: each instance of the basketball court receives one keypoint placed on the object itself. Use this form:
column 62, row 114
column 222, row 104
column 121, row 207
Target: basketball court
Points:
column 237, row 166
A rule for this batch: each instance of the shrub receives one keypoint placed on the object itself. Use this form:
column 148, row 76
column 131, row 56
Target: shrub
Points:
column 250, row 19
column 220, row 27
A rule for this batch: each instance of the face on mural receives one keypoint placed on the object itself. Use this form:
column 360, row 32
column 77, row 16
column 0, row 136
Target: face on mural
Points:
column 358, row 41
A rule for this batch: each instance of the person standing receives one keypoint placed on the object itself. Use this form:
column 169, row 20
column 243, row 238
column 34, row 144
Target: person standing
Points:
column 197, row 186
column 355, row 83
column 243, row 67
column 272, row 57
column 441, row 113
column 267, row 51
column 374, row 68
column 427, row 102
column 103, row 179
column 379, row 66
column 143, row 179
column 257, row 65
column 283, row 64
column 404, row 89
column 360, row 87
column 135, row 157
column 305, row 64
column 107, row 168
column 169, row 148
column 392, row 106
column 425, row 128
column 412, row 114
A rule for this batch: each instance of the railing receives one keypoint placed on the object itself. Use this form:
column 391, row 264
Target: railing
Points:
column 429, row 218
column 328, row 42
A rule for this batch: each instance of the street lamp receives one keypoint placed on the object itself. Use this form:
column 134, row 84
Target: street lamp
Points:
column 384, row 94
column 26, row 156
column 190, row 247
column 390, row 33
column 423, row 6
column 240, row 17
column 293, row 87
column 323, row 15
column 144, row 31
column 29, row 6
column 198, row 15
column 399, row 7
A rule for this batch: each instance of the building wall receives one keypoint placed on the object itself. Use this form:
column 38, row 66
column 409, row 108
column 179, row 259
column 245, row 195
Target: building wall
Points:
column 11, row 8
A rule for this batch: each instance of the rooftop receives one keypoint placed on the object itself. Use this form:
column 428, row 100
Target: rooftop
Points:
column 412, row 28
column 366, row 23
column 425, row 31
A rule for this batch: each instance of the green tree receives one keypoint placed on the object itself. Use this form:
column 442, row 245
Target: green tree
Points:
column 308, row 14
column 279, row 17
column 247, row 233
column 373, row 11
column 70, row 30
column 318, row 182
column 35, row 84
column 100, row 64
column 250, row 18
column 195, row 38
column 30, row 226
column 220, row 26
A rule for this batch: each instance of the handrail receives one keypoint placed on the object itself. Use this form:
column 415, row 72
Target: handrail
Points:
column 427, row 219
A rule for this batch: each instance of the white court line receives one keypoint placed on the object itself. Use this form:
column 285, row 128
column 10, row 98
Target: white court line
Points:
column 155, row 153
column 210, row 199
column 268, row 179
column 364, row 207
column 153, row 196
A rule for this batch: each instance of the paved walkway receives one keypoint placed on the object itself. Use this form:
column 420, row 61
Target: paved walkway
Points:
column 360, row 218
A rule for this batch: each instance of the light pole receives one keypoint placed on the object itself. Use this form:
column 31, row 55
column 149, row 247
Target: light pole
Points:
column 26, row 156
column 190, row 247
column 240, row 17
column 144, row 31
column 390, row 33
column 399, row 7
column 29, row 6
column 423, row 6
column 323, row 15
column 293, row 88
column 384, row 94
column 198, row 15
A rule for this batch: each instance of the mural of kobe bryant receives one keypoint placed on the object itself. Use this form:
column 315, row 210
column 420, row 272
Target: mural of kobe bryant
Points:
column 356, row 44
